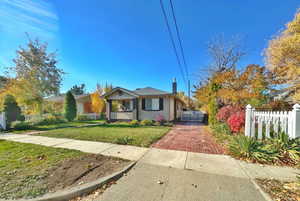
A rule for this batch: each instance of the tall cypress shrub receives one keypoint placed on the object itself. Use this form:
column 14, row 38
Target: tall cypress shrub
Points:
column 213, row 105
column 70, row 109
column 11, row 109
column 212, row 111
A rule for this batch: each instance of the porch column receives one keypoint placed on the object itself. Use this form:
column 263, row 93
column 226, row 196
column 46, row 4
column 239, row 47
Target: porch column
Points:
column 108, row 109
column 136, row 102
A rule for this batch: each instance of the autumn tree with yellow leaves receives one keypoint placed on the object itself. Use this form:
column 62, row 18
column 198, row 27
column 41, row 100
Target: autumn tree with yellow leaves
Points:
column 283, row 57
column 33, row 76
column 97, row 102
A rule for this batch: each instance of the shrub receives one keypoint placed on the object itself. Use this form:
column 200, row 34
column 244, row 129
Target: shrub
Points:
column 225, row 112
column 49, row 120
column 134, row 123
column 21, row 125
column 82, row 117
column 281, row 150
column 123, row 140
column 160, row 119
column 170, row 124
column 146, row 122
column 236, row 122
column 288, row 150
column 11, row 109
column 248, row 148
column 221, row 128
column 212, row 111
column 70, row 107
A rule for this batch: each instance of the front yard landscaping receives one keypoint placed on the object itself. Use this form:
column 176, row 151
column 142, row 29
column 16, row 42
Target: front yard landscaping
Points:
column 142, row 136
column 281, row 191
column 46, row 127
column 279, row 150
column 28, row 171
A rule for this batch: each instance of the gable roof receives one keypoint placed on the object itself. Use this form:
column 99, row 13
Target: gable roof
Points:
column 61, row 97
column 147, row 91
column 150, row 91
column 121, row 89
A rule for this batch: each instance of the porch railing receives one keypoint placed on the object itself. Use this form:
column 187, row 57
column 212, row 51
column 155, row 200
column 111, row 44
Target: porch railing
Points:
column 121, row 115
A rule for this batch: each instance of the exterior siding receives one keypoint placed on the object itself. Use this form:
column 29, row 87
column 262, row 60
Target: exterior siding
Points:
column 80, row 107
column 117, row 96
column 151, row 115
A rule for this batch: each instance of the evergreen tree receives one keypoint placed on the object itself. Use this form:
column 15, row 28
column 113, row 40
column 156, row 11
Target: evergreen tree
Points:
column 70, row 109
column 11, row 109
column 78, row 90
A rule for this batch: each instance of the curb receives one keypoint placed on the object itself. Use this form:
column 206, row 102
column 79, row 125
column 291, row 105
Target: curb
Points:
column 74, row 192
column 265, row 195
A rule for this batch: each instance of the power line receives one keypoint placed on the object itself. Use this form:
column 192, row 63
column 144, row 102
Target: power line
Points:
column 179, row 38
column 172, row 40
column 182, row 51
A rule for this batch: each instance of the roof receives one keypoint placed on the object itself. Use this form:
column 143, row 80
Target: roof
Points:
column 61, row 98
column 147, row 91
column 150, row 91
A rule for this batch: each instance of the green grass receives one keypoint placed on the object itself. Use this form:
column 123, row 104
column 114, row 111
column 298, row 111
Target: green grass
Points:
column 142, row 136
column 23, row 167
column 59, row 125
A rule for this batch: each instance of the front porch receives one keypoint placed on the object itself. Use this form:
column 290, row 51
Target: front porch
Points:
column 122, row 109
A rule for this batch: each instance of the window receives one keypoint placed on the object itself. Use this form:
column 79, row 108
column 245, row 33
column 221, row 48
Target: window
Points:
column 126, row 105
column 152, row 104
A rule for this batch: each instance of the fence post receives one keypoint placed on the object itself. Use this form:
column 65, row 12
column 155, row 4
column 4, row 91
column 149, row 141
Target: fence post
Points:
column 248, row 120
column 296, row 121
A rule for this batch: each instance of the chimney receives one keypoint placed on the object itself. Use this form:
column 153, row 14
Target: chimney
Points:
column 174, row 86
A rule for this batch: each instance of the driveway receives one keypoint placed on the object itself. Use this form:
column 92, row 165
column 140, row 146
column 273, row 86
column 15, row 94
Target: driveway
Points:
column 191, row 137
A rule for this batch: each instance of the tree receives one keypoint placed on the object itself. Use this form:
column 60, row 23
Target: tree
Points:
column 241, row 87
column 70, row 109
column 78, row 90
column 36, row 74
column 283, row 58
column 104, row 89
column 98, row 104
column 190, row 102
column 225, row 54
column 11, row 109
column 3, row 81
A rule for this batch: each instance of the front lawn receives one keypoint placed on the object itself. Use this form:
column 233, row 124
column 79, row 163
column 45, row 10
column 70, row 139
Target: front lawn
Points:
column 28, row 171
column 142, row 136
column 58, row 126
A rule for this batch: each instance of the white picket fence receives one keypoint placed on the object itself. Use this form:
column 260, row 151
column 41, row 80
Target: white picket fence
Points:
column 259, row 123
column 2, row 121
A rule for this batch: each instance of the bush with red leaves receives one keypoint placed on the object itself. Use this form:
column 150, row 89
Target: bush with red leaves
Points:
column 225, row 112
column 236, row 121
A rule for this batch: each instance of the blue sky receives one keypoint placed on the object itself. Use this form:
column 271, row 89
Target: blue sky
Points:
column 125, row 42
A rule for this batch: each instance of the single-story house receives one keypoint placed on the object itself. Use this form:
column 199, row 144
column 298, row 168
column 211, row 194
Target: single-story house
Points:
column 83, row 102
column 143, row 103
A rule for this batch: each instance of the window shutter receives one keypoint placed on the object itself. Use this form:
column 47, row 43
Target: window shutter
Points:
column 161, row 104
column 143, row 104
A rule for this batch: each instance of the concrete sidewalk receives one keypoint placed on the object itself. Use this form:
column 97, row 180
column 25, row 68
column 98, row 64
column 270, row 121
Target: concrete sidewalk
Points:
column 206, row 163
column 122, row 151
column 157, row 183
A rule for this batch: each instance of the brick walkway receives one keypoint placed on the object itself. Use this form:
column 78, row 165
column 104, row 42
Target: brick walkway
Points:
column 190, row 137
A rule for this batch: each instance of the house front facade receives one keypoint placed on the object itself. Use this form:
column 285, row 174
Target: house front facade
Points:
column 143, row 103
